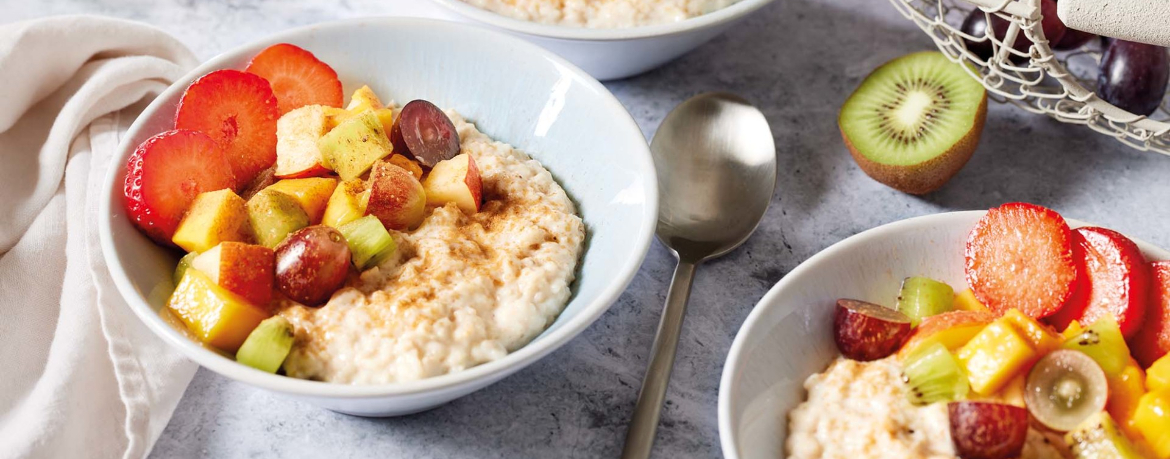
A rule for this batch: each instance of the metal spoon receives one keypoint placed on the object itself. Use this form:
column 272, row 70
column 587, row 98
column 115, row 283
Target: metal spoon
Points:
column 716, row 164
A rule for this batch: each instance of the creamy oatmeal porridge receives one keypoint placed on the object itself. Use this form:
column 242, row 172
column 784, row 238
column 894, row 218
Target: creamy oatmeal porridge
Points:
column 462, row 289
column 860, row 410
column 602, row 13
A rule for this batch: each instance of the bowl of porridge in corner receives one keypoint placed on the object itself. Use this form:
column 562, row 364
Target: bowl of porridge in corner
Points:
column 610, row 39
column 530, row 227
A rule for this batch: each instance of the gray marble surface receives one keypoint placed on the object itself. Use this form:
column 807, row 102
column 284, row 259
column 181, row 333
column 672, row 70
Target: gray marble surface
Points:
column 798, row 60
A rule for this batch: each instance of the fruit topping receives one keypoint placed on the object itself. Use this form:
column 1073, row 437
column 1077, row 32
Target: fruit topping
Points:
column 311, row 193
column 274, row 215
column 424, row 132
column 1098, row 438
column 1020, row 256
column 1102, row 341
column 966, row 301
column 922, row 297
column 1116, row 281
column 1064, row 388
column 1158, row 374
column 396, row 197
column 951, row 329
column 297, row 77
column 238, row 110
column 1152, row 419
column 1153, row 340
column 214, row 217
column 243, row 269
column 1133, row 76
column 914, row 122
column 311, row 264
column 297, row 134
column 986, row 430
column 995, row 355
column 866, row 331
column 184, row 264
column 1042, row 337
column 355, row 145
column 933, row 375
column 346, row 204
column 455, row 180
column 368, row 240
column 406, row 163
column 267, row 345
column 215, row 315
column 1125, row 392
column 166, row 173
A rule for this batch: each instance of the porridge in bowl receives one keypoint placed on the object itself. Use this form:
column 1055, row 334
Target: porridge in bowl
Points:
column 369, row 244
column 602, row 13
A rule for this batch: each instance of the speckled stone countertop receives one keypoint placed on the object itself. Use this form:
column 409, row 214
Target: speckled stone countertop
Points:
column 798, row 60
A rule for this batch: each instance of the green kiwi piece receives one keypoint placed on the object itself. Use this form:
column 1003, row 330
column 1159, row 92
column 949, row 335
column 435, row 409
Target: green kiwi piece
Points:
column 275, row 215
column 1099, row 438
column 923, row 297
column 934, row 375
column 914, row 122
column 267, row 346
column 184, row 264
column 368, row 240
column 1103, row 342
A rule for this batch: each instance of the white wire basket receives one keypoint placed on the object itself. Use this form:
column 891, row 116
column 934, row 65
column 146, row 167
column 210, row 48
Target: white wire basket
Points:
column 1059, row 84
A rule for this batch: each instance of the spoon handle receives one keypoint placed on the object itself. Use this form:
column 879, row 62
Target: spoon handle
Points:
column 640, row 436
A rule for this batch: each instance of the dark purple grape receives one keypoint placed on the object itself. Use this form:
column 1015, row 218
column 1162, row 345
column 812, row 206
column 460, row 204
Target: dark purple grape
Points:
column 1133, row 76
column 311, row 264
column 424, row 132
column 976, row 25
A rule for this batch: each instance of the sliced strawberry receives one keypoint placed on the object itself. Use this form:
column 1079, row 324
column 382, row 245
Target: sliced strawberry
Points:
column 298, row 78
column 1020, row 256
column 1116, row 281
column 238, row 110
column 1153, row 340
column 165, row 174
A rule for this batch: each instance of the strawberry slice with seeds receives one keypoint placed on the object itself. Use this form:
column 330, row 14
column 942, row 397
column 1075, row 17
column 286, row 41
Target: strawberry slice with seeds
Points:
column 1153, row 340
column 1020, row 256
column 165, row 174
column 1115, row 281
column 297, row 77
column 238, row 110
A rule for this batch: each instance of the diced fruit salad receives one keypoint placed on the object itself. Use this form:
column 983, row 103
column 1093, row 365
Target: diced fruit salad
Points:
column 1066, row 329
column 276, row 193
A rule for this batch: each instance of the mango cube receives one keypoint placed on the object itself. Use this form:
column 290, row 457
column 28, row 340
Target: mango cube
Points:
column 995, row 355
column 1074, row 329
column 1042, row 338
column 1158, row 375
column 966, row 301
column 348, row 203
column 1125, row 390
column 216, row 316
column 214, row 217
column 311, row 193
column 1152, row 419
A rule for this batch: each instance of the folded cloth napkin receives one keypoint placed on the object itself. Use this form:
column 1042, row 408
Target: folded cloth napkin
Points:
column 80, row 376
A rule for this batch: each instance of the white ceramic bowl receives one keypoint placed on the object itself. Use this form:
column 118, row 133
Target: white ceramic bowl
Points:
column 610, row 54
column 515, row 92
column 788, row 336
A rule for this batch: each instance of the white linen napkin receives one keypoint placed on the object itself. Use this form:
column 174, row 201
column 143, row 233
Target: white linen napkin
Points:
column 80, row 376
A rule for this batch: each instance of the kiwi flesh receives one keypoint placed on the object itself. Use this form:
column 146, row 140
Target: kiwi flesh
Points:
column 1098, row 437
column 914, row 122
column 932, row 375
column 268, row 345
column 923, row 297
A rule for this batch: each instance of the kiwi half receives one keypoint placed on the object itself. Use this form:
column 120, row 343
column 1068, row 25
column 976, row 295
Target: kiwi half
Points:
column 914, row 122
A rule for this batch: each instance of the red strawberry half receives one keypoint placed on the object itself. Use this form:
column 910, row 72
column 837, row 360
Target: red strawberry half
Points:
column 297, row 77
column 165, row 174
column 1020, row 256
column 1116, row 281
column 1153, row 340
column 238, row 110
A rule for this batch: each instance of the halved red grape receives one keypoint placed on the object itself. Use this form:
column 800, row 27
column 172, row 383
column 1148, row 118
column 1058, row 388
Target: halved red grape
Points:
column 311, row 264
column 423, row 131
column 987, row 430
column 1064, row 388
column 866, row 331
column 1133, row 76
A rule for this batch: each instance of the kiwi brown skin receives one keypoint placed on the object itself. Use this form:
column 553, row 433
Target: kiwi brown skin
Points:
column 930, row 175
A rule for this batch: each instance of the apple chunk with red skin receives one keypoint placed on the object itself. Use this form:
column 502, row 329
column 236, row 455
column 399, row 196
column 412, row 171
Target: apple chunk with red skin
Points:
column 396, row 197
column 455, row 180
column 297, row 134
column 243, row 269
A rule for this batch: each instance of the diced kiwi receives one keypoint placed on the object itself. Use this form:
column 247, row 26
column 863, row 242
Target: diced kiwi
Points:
column 368, row 240
column 1103, row 342
column 355, row 145
column 184, row 263
column 268, row 345
column 923, row 297
column 274, row 215
column 934, row 375
column 914, row 122
column 1099, row 438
